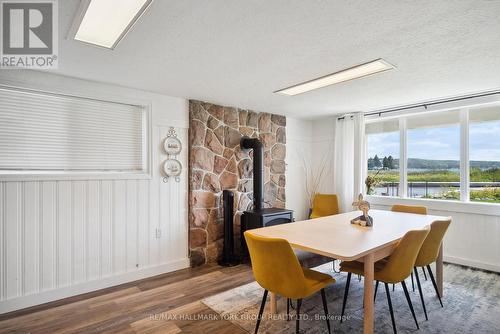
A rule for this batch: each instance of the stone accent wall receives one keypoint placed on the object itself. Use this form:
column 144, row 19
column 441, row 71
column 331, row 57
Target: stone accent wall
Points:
column 216, row 163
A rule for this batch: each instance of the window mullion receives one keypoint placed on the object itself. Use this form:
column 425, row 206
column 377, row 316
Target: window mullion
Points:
column 464, row 155
column 403, row 161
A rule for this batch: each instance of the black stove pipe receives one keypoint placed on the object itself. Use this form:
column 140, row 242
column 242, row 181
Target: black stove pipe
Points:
column 258, row 169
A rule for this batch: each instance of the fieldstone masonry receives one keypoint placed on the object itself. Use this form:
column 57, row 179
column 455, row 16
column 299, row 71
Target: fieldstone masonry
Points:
column 216, row 163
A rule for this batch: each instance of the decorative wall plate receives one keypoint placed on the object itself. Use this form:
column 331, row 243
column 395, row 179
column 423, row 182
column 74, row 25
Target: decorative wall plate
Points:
column 172, row 168
column 172, row 145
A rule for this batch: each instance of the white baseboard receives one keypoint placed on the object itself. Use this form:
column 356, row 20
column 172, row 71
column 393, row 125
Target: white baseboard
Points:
column 18, row 303
column 472, row 263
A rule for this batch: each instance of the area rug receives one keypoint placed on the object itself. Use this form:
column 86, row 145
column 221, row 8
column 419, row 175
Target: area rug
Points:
column 471, row 305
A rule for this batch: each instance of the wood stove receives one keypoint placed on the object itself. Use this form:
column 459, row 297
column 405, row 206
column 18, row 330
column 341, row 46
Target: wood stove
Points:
column 259, row 216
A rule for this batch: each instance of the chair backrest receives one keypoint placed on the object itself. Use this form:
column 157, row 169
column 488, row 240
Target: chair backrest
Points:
column 275, row 266
column 325, row 205
column 402, row 260
column 421, row 210
column 430, row 248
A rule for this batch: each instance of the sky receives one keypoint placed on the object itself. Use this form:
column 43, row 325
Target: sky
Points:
column 441, row 143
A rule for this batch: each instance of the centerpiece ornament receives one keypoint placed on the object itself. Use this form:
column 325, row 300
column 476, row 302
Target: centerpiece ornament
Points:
column 364, row 206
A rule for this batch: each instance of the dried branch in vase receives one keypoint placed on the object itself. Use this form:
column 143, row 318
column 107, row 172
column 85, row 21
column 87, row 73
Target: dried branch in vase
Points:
column 314, row 177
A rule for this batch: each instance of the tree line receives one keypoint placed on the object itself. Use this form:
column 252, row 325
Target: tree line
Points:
column 386, row 162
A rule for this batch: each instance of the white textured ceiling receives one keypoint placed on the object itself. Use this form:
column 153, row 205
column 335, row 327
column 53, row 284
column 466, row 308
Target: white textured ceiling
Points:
column 237, row 52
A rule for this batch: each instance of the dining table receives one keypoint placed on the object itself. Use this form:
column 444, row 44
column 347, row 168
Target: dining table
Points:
column 336, row 237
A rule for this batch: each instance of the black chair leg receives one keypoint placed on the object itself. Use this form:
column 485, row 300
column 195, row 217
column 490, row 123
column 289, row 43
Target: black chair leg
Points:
column 299, row 303
column 346, row 292
column 408, row 299
column 325, row 308
column 261, row 310
column 412, row 283
column 375, row 294
column 390, row 307
column 420, row 292
column 425, row 276
column 359, row 278
column 434, row 283
column 287, row 309
column 393, row 287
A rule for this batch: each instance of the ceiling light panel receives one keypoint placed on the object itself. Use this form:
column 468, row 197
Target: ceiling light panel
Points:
column 105, row 22
column 359, row 71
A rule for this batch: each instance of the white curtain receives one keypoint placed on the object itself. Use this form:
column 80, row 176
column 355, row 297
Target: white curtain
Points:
column 349, row 163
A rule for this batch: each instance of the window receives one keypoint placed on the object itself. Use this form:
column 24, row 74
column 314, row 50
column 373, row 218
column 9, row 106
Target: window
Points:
column 446, row 155
column 382, row 140
column 47, row 133
column 433, row 165
column 484, row 154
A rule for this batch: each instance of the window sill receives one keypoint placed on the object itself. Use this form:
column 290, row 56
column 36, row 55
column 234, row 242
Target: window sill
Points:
column 488, row 209
column 12, row 176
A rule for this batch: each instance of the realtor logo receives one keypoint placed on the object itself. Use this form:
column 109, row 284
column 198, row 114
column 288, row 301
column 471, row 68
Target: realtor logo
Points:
column 29, row 34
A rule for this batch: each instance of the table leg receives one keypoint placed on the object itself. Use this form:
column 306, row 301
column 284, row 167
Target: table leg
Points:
column 368, row 299
column 274, row 304
column 439, row 270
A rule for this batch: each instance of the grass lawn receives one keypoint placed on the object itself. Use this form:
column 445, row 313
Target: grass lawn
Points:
column 490, row 195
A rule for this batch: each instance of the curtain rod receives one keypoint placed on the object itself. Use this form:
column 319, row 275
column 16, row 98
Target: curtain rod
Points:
column 427, row 104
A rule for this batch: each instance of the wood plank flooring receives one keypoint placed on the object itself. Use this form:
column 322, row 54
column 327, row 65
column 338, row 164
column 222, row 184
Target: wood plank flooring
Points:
column 169, row 303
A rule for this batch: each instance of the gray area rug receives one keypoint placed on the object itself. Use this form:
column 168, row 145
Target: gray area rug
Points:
column 471, row 305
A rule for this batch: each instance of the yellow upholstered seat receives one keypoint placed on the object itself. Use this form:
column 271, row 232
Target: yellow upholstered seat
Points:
column 394, row 269
column 324, row 205
column 430, row 248
column 277, row 269
column 428, row 254
column 421, row 210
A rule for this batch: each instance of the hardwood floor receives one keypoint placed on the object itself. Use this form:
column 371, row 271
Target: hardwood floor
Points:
column 169, row 303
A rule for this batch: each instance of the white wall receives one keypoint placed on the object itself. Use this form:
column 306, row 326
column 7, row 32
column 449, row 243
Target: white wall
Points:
column 323, row 151
column 309, row 145
column 298, row 159
column 65, row 237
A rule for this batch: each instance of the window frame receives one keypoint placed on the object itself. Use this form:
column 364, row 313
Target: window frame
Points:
column 462, row 205
column 60, row 175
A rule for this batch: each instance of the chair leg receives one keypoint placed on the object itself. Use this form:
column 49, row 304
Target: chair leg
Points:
column 261, row 310
column 412, row 283
column 299, row 303
column 425, row 276
column 359, row 278
column 408, row 299
column 420, row 292
column 325, row 308
column 390, row 307
column 434, row 283
column 393, row 287
column 375, row 294
column 346, row 292
column 287, row 309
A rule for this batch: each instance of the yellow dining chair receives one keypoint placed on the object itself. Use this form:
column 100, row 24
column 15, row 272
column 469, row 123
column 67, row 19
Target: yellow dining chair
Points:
column 324, row 205
column 420, row 210
column 392, row 270
column 428, row 254
column 276, row 269
column 416, row 209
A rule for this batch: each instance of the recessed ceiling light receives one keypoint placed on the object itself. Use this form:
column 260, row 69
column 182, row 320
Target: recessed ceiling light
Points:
column 359, row 71
column 105, row 22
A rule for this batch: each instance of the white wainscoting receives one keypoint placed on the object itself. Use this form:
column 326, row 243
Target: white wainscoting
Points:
column 60, row 238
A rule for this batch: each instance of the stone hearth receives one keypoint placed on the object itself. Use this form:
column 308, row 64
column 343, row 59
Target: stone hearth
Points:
column 216, row 163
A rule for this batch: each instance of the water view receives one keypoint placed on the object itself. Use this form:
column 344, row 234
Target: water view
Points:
column 436, row 183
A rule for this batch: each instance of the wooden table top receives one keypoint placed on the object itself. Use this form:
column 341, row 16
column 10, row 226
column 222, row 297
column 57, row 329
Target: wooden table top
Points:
column 335, row 237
